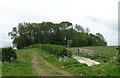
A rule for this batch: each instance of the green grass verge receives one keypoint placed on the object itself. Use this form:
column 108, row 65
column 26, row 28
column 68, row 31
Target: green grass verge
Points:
column 75, row 68
column 21, row 67
column 109, row 63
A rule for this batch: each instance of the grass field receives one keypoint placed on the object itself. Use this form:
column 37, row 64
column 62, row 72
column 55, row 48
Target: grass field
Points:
column 109, row 61
column 21, row 67
column 110, row 53
column 107, row 50
column 32, row 65
column 104, row 69
column 51, row 65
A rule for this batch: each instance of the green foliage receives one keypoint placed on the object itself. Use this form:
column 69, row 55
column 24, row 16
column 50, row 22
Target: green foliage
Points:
column 106, row 55
column 57, row 50
column 62, row 33
column 64, row 63
column 78, row 69
column 8, row 54
column 33, row 46
column 21, row 66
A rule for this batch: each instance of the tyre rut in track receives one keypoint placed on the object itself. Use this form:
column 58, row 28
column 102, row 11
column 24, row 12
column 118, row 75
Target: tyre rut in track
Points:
column 43, row 68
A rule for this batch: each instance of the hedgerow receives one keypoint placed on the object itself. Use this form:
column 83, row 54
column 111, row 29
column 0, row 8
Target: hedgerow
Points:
column 57, row 50
column 8, row 54
column 33, row 46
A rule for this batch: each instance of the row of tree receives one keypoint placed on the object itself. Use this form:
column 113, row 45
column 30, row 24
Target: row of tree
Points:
column 63, row 33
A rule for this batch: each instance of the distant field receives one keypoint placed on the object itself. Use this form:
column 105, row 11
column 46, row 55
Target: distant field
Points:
column 106, row 50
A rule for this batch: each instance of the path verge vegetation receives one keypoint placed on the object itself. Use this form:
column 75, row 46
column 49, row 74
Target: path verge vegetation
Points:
column 8, row 54
column 34, row 61
column 57, row 50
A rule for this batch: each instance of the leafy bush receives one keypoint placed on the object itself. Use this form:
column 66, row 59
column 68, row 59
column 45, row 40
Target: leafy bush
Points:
column 8, row 54
column 33, row 46
column 57, row 50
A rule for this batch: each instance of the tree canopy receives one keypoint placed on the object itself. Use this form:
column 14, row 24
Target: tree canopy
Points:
column 63, row 33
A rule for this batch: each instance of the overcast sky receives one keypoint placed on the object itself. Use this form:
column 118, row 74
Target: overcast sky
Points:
column 98, row 15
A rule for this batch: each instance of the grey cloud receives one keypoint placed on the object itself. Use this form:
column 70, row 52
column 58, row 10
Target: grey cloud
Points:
column 112, row 25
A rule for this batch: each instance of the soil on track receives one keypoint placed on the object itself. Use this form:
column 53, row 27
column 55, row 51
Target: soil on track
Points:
column 43, row 68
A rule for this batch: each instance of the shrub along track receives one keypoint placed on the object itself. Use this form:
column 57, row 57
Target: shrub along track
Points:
column 43, row 68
